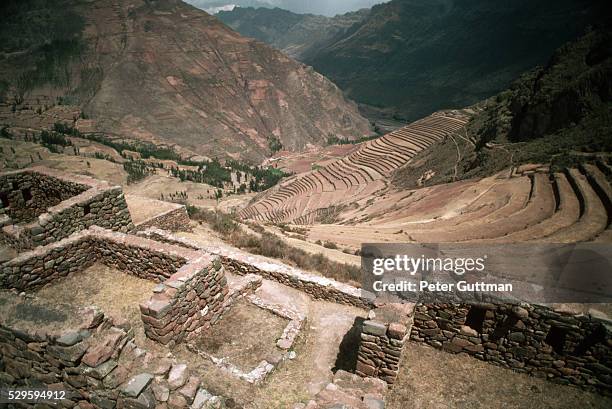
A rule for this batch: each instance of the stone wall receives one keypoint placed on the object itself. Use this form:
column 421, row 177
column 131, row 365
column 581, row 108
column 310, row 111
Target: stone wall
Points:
column 242, row 263
column 77, row 203
column 383, row 338
column 192, row 297
column 144, row 258
column 43, row 265
column 26, row 195
column 190, row 301
column 562, row 345
column 99, row 365
column 172, row 220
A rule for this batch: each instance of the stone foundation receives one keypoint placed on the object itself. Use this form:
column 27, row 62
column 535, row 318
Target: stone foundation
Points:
column 565, row 346
column 243, row 263
column 42, row 206
column 192, row 297
column 144, row 258
column 246, row 287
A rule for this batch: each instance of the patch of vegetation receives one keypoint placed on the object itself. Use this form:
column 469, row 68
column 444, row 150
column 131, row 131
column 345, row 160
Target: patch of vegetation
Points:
column 45, row 35
column 274, row 144
column 146, row 150
column 64, row 129
column 5, row 133
column 47, row 139
column 330, row 245
column 271, row 246
column 136, row 170
column 336, row 140
column 216, row 174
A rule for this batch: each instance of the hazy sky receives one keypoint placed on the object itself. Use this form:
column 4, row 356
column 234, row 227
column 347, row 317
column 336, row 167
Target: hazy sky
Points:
column 325, row 7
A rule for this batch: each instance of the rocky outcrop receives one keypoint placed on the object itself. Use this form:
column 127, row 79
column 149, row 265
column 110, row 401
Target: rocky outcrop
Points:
column 575, row 82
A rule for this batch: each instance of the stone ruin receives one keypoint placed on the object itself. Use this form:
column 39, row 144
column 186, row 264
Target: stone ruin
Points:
column 97, row 358
column 41, row 206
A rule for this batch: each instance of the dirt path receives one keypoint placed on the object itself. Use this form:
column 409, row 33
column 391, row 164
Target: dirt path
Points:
column 317, row 349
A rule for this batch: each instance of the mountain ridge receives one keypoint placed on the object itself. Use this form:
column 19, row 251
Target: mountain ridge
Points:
column 167, row 72
column 414, row 57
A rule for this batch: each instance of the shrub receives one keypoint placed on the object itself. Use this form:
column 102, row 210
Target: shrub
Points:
column 269, row 245
column 330, row 245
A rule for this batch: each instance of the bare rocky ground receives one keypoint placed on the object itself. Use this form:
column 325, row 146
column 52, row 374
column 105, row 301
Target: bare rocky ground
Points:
column 434, row 379
column 247, row 335
column 114, row 292
column 295, row 380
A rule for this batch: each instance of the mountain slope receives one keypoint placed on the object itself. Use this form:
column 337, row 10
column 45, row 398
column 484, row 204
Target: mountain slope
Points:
column 419, row 56
column 166, row 72
column 559, row 115
column 321, row 7
column 414, row 57
column 297, row 35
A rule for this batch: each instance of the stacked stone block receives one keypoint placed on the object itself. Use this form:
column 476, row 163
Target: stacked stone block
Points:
column 564, row 346
column 175, row 219
column 99, row 365
column 43, row 265
column 59, row 205
column 190, row 301
column 380, row 349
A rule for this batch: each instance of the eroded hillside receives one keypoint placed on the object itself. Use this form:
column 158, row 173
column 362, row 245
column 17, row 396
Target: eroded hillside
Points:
column 166, row 72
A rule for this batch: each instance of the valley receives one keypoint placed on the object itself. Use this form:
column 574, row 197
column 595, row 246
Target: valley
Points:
column 185, row 211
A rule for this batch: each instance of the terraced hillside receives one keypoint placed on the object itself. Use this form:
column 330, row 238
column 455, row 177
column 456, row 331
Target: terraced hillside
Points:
column 528, row 203
column 316, row 195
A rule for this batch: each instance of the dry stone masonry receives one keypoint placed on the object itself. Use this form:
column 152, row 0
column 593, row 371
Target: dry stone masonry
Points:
column 192, row 294
column 242, row 263
column 41, row 206
column 144, row 258
column 562, row 345
column 99, row 365
column 174, row 219
column 189, row 301
column 383, row 338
